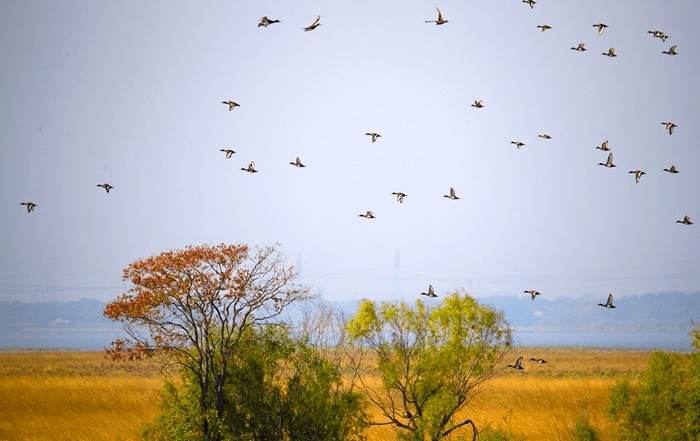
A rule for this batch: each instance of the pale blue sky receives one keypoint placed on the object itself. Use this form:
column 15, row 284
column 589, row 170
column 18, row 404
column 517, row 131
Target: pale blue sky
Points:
column 130, row 93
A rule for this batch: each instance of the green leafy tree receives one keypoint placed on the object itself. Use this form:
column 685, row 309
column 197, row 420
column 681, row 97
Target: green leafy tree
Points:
column 665, row 404
column 277, row 389
column 430, row 361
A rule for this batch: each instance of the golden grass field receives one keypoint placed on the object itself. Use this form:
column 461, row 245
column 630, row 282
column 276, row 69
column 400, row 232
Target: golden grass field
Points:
column 83, row 396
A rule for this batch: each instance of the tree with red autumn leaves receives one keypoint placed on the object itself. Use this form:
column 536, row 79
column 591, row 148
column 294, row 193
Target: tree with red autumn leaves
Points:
column 196, row 304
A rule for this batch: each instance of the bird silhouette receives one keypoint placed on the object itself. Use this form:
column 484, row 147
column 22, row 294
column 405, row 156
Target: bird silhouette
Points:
column 604, row 146
column 601, row 27
column 539, row 360
column 518, row 364
column 671, row 170
column 374, row 136
column 671, row 51
column 518, row 144
column 231, row 104
column 107, row 187
column 250, row 168
column 399, row 196
column 610, row 52
column 533, row 293
column 637, row 174
column 669, row 126
column 313, row 25
column 544, row 27
column 609, row 303
column 266, row 21
column 30, row 206
column 685, row 221
column 581, row 47
column 452, row 194
column 368, row 215
column 478, row 104
column 609, row 162
column 531, row 3
column 440, row 20
column 430, row 293
column 544, row 136
column 228, row 152
column 297, row 163
column 659, row 34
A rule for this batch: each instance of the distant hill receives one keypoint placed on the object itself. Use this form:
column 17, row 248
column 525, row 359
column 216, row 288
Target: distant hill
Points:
column 645, row 321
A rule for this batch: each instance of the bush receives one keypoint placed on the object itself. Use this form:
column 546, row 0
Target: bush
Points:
column 583, row 431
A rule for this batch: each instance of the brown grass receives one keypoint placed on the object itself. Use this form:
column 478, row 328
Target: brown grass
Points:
column 83, row 396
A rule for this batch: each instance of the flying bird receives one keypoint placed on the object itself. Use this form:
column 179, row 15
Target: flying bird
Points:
column 637, row 174
column 539, row 360
column 228, row 152
column 231, row 104
column 266, row 21
column 581, row 47
column 251, row 168
column 478, row 104
column 368, row 215
column 685, row 221
column 659, row 34
column 440, row 20
column 452, row 194
column 531, row 3
column 518, row 364
column 374, row 136
column 604, row 146
column 533, row 293
column 399, row 196
column 669, row 126
column 671, row 51
column 297, row 163
column 610, row 52
column 609, row 162
column 30, row 206
column 313, row 25
column 609, row 302
column 107, row 187
column 601, row 27
column 430, row 293
column 544, row 136
column 518, row 144
column 544, row 27
column 671, row 170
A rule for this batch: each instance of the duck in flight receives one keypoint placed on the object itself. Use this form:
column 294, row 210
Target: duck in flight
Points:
column 531, row 3
column 604, row 146
column 374, row 136
column 671, row 51
column 313, row 25
column 609, row 162
column 671, row 170
column 478, row 104
column 368, row 215
column 610, row 52
column 658, row 34
column 581, row 47
column 544, row 136
column 539, row 360
column 297, row 163
column 637, row 174
column 30, row 206
column 669, row 126
column 601, row 27
column 250, row 168
column 518, row 364
column 533, row 293
column 544, row 27
column 231, row 104
column 399, row 196
column 430, row 293
column 107, row 187
column 440, row 20
column 608, row 304
column 685, row 221
column 266, row 21
column 518, row 144
column 452, row 194
column 228, row 152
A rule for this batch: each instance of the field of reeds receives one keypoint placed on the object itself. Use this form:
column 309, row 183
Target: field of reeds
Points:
column 83, row 396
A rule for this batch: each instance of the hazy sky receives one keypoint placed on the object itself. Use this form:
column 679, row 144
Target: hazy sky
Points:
column 129, row 93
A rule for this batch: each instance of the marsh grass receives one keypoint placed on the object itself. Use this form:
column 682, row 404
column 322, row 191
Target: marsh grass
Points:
column 84, row 396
